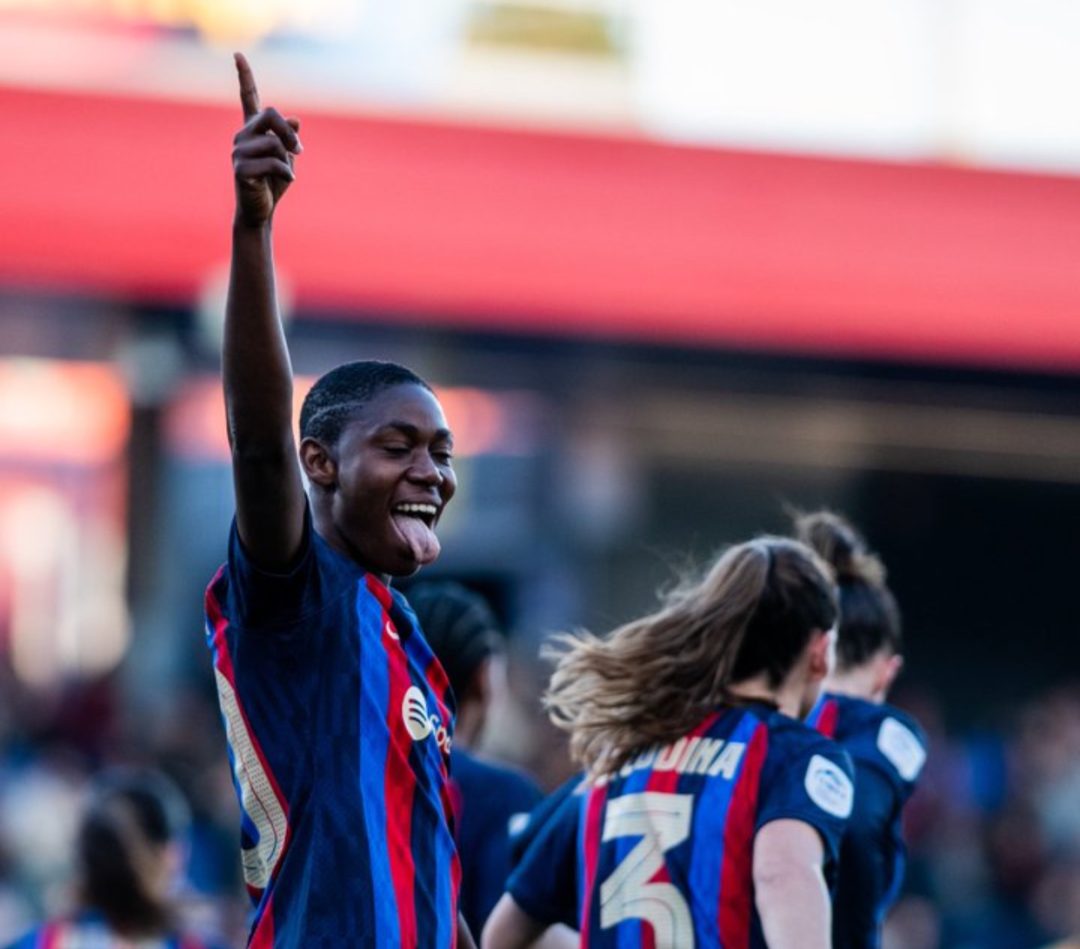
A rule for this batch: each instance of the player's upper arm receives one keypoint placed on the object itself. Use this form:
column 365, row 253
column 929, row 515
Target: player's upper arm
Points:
column 810, row 779
column 789, row 887
column 510, row 927
column 270, row 504
column 784, row 849
column 266, row 600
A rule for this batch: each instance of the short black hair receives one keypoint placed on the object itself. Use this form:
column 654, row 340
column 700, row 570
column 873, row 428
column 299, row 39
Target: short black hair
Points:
column 459, row 625
column 340, row 393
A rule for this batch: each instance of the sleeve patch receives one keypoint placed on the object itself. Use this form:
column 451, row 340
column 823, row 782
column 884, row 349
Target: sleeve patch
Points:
column 901, row 748
column 829, row 788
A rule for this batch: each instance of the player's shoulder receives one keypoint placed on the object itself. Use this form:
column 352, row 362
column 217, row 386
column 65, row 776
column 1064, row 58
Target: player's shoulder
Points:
column 884, row 736
column 789, row 736
column 803, row 764
column 796, row 747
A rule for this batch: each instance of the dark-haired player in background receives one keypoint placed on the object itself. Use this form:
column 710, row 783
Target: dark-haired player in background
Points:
column 887, row 746
column 337, row 714
column 488, row 799
column 713, row 815
column 128, row 852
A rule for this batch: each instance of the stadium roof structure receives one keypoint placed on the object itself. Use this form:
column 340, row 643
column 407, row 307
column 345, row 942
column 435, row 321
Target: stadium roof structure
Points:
column 545, row 233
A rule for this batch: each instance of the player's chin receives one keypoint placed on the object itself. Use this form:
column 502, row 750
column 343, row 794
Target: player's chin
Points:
column 401, row 572
column 403, row 563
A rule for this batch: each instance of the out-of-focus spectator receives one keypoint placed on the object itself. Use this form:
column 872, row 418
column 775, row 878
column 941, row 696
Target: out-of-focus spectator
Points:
column 129, row 853
column 995, row 833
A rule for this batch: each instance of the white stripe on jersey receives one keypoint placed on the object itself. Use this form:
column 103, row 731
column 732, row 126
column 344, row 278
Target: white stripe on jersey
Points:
column 257, row 795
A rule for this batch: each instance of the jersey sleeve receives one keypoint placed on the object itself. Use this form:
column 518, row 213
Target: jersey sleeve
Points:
column 544, row 883
column 524, row 832
column 264, row 600
column 809, row 779
column 894, row 744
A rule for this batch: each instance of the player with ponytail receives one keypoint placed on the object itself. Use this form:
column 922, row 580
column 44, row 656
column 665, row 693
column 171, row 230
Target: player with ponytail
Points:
column 710, row 815
column 887, row 746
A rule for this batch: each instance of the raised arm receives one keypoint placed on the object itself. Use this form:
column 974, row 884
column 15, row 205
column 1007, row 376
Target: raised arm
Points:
column 256, row 370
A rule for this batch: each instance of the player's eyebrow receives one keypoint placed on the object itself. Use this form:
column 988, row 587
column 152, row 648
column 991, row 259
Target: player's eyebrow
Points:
column 411, row 431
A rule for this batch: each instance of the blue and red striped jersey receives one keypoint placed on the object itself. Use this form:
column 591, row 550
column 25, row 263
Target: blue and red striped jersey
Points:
column 90, row 931
column 660, row 855
column 888, row 749
column 339, row 722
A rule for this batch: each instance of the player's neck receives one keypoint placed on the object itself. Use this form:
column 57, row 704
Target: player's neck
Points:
column 858, row 683
column 758, row 689
column 324, row 526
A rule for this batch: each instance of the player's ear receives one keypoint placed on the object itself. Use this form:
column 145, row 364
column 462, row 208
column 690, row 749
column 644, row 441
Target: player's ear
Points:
column 822, row 649
column 319, row 464
column 887, row 672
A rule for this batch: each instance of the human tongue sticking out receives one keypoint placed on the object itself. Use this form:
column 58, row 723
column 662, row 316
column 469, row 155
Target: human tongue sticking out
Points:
column 420, row 538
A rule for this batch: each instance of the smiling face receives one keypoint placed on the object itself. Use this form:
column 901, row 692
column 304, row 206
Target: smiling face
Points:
column 379, row 492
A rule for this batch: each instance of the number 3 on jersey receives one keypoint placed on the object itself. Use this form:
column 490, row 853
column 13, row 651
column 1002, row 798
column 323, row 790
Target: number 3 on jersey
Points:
column 662, row 821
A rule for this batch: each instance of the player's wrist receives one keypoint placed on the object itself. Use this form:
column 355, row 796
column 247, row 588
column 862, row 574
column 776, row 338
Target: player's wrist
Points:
column 244, row 224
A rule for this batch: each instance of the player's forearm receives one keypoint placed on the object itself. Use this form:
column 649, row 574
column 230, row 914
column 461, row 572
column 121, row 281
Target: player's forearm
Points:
column 793, row 903
column 256, row 370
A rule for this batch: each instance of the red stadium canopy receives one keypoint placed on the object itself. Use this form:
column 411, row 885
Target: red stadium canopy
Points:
column 558, row 234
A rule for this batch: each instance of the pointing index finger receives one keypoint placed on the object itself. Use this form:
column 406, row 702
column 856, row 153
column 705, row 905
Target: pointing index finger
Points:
column 249, row 94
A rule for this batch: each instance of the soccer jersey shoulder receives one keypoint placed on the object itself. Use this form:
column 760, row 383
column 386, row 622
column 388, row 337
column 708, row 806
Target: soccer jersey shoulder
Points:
column 878, row 735
column 808, row 772
column 280, row 601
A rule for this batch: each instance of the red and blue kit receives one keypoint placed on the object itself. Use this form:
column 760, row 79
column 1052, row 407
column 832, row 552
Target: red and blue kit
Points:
column 660, row 854
column 889, row 751
column 339, row 721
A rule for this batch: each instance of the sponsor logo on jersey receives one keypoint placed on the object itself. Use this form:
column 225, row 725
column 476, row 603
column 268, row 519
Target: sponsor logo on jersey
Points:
column 901, row 748
column 419, row 723
column 829, row 788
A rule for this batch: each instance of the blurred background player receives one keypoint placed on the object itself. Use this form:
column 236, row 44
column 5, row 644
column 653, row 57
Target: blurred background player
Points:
column 714, row 814
column 129, row 853
column 335, row 709
column 489, row 800
column 887, row 746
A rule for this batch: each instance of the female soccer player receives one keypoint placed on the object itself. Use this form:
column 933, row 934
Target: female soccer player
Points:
column 712, row 815
column 336, row 712
column 886, row 745
column 128, row 853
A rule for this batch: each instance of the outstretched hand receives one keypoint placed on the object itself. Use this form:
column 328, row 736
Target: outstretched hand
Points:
column 263, row 152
